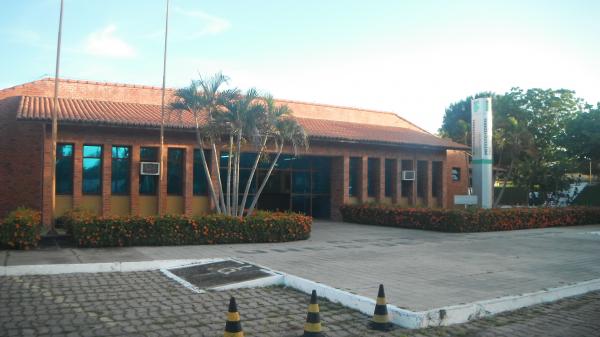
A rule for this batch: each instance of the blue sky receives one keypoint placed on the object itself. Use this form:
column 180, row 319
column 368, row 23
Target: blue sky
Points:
column 410, row 57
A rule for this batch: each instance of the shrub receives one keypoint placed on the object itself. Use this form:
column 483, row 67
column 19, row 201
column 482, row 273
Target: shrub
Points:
column 474, row 220
column 21, row 229
column 93, row 231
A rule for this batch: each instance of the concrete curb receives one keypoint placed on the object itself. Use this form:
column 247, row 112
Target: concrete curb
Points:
column 409, row 319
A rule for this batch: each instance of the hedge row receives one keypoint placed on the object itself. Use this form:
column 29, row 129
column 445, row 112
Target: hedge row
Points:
column 93, row 231
column 20, row 229
column 476, row 220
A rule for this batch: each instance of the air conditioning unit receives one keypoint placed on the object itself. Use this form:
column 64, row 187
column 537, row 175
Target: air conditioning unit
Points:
column 149, row 168
column 408, row 175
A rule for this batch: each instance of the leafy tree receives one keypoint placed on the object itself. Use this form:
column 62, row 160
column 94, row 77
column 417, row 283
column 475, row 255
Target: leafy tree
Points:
column 582, row 135
column 234, row 120
column 528, row 136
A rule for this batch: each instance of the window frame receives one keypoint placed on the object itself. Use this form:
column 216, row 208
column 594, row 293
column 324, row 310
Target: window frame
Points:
column 155, row 178
column 112, row 169
column 182, row 172
column 101, row 169
column 72, row 162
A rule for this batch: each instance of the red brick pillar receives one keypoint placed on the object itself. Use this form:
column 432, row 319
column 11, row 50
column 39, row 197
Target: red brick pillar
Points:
column 106, row 178
column 363, row 180
column 77, row 173
column 429, row 202
column 396, row 181
column 413, row 201
column 340, row 182
column 381, row 180
column 188, row 180
column 47, row 181
column 134, row 179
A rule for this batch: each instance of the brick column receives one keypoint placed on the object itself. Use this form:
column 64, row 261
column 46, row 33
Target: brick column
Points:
column 77, row 173
column 188, row 180
column 340, row 184
column 396, row 180
column 413, row 201
column 134, row 179
column 380, row 192
column 46, row 180
column 162, row 184
column 106, row 178
column 444, row 183
column 363, row 179
column 429, row 194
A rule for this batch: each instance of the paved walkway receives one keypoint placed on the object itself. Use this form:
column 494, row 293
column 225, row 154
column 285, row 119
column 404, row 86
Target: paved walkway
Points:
column 149, row 304
column 421, row 270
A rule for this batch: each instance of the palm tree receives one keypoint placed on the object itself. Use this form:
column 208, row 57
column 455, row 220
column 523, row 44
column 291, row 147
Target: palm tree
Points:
column 282, row 128
column 236, row 119
column 203, row 99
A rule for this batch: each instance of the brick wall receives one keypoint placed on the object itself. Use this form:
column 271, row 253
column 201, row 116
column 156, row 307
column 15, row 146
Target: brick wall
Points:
column 20, row 160
column 456, row 159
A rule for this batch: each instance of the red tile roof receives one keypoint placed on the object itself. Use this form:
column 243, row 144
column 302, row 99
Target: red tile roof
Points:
column 148, row 115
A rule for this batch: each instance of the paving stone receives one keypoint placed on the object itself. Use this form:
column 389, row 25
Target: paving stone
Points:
column 149, row 304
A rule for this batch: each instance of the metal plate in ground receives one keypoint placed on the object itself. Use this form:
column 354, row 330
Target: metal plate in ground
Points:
column 220, row 273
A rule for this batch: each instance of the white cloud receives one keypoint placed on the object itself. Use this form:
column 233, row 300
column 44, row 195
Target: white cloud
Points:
column 208, row 24
column 106, row 43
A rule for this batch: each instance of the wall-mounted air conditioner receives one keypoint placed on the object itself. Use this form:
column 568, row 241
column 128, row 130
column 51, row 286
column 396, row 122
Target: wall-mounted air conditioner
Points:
column 408, row 175
column 149, row 168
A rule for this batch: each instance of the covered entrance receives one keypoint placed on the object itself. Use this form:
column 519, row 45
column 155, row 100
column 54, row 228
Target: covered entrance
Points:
column 300, row 184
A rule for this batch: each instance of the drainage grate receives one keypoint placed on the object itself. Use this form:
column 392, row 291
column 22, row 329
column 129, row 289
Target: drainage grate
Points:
column 216, row 274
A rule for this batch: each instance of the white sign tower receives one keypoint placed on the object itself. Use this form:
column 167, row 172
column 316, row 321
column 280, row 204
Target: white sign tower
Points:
column 481, row 143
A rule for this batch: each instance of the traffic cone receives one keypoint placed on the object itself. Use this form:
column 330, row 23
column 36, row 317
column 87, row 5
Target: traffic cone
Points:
column 381, row 320
column 312, row 327
column 233, row 327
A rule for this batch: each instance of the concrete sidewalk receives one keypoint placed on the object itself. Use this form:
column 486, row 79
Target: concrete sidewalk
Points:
column 421, row 270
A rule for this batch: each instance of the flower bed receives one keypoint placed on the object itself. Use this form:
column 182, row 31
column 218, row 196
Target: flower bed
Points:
column 20, row 229
column 93, row 231
column 478, row 220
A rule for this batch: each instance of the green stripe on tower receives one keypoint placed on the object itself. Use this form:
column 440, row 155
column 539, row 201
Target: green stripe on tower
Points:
column 482, row 161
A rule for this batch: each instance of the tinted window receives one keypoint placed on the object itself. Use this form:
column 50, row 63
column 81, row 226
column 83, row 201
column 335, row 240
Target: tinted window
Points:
column 64, row 169
column 92, row 169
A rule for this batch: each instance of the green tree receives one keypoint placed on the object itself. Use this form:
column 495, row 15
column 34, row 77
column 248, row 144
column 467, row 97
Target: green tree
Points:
column 232, row 121
column 582, row 136
column 528, row 137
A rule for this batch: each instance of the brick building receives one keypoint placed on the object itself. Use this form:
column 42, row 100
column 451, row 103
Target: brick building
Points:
column 106, row 130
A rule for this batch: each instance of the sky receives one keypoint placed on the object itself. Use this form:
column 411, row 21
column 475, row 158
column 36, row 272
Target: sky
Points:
column 413, row 58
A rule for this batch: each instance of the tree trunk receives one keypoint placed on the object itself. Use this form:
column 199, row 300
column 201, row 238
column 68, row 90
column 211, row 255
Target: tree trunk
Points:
column 206, row 170
column 249, row 182
column 229, row 176
column 506, row 178
column 264, row 182
column 220, row 184
column 236, row 191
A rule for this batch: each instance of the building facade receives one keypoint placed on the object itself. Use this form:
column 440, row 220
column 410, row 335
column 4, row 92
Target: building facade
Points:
column 106, row 130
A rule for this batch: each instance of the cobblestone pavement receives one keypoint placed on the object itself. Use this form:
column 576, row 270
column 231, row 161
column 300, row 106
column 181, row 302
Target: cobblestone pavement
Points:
column 149, row 304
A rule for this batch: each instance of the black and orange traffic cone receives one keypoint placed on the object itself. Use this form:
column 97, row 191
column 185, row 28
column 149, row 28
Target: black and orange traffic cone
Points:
column 381, row 320
column 233, row 327
column 312, row 327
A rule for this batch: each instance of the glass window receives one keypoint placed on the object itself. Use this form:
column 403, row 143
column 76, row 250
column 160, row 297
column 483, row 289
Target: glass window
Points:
column 92, row 169
column 456, row 174
column 121, row 165
column 321, row 178
column 389, row 177
column 407, row 185
column 422, row 173
column 200, row 182
column 64, row 168
column 353, row 179
column 301, row 182
column 373, row 176
column 175, row 171
column 148, row 183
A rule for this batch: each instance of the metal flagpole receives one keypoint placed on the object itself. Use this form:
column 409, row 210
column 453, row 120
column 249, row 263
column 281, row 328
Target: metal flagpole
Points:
column 55, row 122
column 162, row 116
